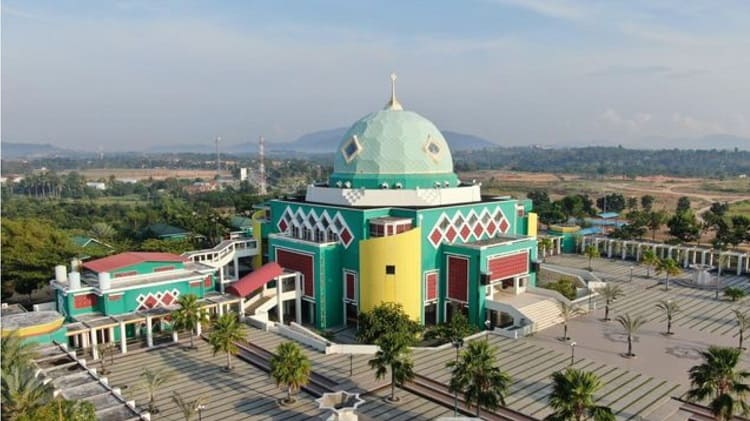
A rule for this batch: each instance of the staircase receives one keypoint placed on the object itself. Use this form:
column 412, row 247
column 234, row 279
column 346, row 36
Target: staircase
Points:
column 225, row 252
column 543, row 314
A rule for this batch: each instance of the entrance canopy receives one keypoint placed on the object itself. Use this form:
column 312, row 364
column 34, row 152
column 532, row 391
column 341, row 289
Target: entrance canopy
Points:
column 255, row 279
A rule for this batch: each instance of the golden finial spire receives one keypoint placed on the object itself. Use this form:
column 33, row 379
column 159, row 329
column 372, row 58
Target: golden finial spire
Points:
column 393, row 104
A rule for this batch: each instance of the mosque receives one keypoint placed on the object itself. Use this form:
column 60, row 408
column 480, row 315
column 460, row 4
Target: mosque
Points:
column 393, row 223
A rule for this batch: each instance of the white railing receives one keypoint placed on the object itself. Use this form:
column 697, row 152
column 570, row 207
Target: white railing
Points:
column 221, row 251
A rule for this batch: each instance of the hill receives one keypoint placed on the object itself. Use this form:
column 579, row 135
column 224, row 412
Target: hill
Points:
column 13, row 150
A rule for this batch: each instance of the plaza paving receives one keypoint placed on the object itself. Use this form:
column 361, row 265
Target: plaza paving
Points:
column 635, row 389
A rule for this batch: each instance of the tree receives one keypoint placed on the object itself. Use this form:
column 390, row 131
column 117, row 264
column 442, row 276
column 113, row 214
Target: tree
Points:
column 545, row 245
column 591, row 252
column 613, row 202
column 734, row 293
column 106, row 349
column 15, row 352
column 458, row 327
column 631, row 326
column 683, row 204
column 669, row 308
column 567, row 312
column 684, row 226
column 393, row 353
column 60, row 409
column 572, row 397
column 610, row 293
column 31, row 249
column 189, row 315
column 650, row 260
column 669, row 267
column 226, row 332
column 290, row 367
column 647, row 202
column 564, row 286
column 721, row 381
column 743, row 324
column 188, row 407
column 654, row 221
column 101, row 231
column 475, row 375
column 385, row 318
column 23, row 392
column 152, row 381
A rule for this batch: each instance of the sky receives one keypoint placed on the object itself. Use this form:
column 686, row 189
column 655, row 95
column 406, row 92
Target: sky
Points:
column 130, row 74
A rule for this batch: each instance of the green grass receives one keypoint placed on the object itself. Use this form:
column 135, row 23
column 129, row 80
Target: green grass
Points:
column 131, row 200
column 740, row 208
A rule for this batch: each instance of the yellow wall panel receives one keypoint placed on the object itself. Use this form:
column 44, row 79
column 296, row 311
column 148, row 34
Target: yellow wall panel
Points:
column 405, row 287
column 533, row 225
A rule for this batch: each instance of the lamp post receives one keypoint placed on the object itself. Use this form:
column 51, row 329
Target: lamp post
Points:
column 487, row 325
column 572, row 353
column 351, row 364
column 457, row 343
column 200, row 409
column 631, row 273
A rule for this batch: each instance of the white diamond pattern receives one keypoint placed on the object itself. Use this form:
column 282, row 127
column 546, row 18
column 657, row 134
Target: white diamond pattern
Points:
column 489, row 223
column 324, row 222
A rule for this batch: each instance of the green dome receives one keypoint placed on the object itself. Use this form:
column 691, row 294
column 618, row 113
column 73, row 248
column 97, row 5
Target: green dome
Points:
column 398, row 148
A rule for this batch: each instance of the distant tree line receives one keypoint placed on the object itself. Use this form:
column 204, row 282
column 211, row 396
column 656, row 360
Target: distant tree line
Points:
column 608, row 161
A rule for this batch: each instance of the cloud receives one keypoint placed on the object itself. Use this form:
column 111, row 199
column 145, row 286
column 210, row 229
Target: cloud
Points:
column 633, row 124
column 695, row 125
column 552, row 8
column 619, row 70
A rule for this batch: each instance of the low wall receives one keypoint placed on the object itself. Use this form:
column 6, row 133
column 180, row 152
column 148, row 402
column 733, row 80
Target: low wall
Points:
column 300, row 337
column 352, row 349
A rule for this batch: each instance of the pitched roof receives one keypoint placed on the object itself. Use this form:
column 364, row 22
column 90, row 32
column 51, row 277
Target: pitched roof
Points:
column 110, row 263
column 82, row 241
column 255, row 279
column 240, row 222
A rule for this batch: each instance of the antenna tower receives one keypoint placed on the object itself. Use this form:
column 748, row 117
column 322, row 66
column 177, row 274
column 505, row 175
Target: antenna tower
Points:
column 262, row 168
column 218, row 157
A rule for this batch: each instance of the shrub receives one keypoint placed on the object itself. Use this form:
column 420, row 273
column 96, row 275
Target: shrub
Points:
column 734, row 294
column 564, row 286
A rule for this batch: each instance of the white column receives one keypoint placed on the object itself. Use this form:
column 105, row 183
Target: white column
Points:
column 149, row 332
column 703, row 257
column 609, row 249
column 236, row 268
column 685, row 259
column 638, row 252
column 559, row 246
column 175, row 335
column 94, row 349
column 85, row 340
column 112, row 334
column 76, row 341
column 198, row 329
column 710, row 259
column 242, row 309
column 624, row 249
column 298, row 298
column 739, row 264
column 279, row 301
column 221, row 279
column 220, row 309
column 516, row 288
column 123, row 339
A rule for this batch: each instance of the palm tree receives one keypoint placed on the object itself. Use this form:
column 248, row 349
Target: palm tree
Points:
column 290, row 367
column 650, row 260
column 226, row 332
column 394, row 353
column 189, row 315
column 719, row 379
column 15, row 352
column 610, row 293
column 22, row 391
column 101, row 231
column 743, row 323
column 188, row 408
column 572, row 397
column 545, row 245
column 669, row 308
column 734, row 294
column 106, row 349
column 152, row 381
column 476, row 376
column 669, row 267
column 567, row 312
column 591, row 252
column 631, row 326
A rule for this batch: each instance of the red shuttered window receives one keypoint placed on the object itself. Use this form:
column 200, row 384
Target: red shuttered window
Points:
column 431, row 286
column 458, row 278
column 503, row 267
column 301, row 263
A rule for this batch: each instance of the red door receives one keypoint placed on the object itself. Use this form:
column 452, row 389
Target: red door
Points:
column 458, row 278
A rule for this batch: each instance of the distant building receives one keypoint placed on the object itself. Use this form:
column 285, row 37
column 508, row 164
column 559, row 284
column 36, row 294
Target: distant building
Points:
column 92, row 245
column 97, row 185
column 202, row 187
column 164, row 231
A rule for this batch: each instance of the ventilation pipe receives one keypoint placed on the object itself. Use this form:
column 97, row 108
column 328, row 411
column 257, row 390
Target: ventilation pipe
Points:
column 61, row 274
column 105, row 282
column 74, row 281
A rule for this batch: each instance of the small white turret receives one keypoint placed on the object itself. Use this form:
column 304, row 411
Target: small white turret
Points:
column 74, row 279
column 105, row 282
column 61, row 274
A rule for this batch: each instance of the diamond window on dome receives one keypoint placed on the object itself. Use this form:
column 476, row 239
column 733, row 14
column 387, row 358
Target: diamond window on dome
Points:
column 432, row 148
column 351, row 149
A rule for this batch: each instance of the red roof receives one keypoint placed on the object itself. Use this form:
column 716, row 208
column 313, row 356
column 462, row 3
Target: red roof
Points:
column 255, row 279
column 130, row 258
